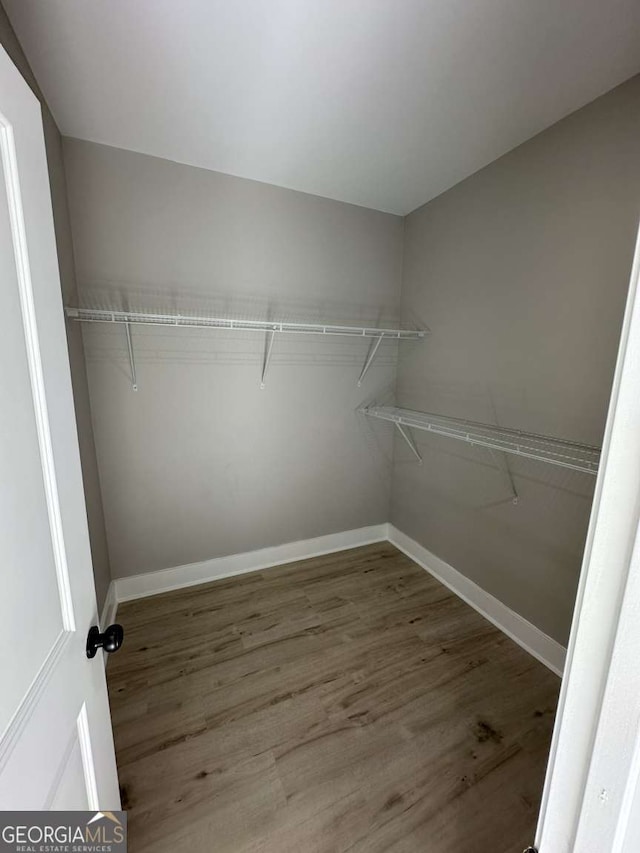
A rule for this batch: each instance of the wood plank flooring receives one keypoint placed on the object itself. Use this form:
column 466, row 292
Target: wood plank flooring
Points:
column 345, row 703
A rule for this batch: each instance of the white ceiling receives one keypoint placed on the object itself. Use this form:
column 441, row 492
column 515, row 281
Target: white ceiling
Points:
column 383, row 103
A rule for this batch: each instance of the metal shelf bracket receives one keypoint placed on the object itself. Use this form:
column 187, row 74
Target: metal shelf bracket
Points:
column 271, row 335
column 370, row 356
column 406, row 434
column 132, row 363
column 506, row 469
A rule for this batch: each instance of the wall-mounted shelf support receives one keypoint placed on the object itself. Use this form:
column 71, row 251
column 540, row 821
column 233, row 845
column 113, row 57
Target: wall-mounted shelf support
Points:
column 271, row 336
column 132, row 363
column 406, row 434
column 542, row 448
column 370, row 356
column 128, row 318
column 506, row 469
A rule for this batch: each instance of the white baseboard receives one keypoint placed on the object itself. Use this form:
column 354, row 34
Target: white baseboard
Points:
column 532, row 639
column 151, row 583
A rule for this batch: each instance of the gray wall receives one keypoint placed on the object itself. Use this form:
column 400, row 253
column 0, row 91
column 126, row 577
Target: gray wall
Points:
column 53, row 143
column 521, row 272
column 199, row 462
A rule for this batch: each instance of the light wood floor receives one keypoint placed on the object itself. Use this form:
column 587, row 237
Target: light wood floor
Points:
column 347, row 703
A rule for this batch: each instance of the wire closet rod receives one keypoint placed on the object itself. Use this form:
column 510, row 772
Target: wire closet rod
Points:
column 543, row 448
column 93, row 315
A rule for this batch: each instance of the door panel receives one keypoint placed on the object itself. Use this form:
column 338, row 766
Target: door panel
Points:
column 70, row 793
column 56, row 745
column 76, row 786
column 31, row 610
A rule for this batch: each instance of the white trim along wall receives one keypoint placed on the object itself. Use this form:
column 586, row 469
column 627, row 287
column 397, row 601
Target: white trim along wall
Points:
column 538, row 644
column 532, row 639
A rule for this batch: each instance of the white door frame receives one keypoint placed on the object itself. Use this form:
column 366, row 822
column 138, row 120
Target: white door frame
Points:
column 594, row 763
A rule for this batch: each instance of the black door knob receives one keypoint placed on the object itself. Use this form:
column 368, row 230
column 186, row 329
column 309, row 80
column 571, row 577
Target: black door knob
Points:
column 110, row 641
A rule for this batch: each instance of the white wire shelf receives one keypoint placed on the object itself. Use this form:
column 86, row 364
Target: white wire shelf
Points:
column 270, row 327
column 542, row 448
column 92, row 315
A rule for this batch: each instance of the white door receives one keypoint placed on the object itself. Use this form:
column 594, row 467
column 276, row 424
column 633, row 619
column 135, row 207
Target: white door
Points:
column 56, row 744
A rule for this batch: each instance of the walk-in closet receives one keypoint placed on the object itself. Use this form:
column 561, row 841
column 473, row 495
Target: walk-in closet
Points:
column 318, row 375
